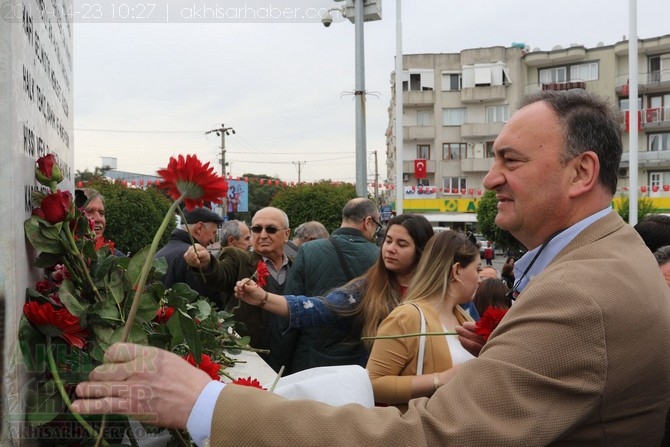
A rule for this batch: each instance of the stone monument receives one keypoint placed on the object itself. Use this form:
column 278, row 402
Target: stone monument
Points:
column 35, row 119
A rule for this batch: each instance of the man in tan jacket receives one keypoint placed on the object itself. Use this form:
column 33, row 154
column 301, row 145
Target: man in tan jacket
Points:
column 581, row 358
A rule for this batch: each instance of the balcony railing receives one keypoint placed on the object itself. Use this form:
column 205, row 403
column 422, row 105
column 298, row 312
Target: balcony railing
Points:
column 569, row 85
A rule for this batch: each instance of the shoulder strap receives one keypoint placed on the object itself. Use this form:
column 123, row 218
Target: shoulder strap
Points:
column 343, row 262
column 422, row 342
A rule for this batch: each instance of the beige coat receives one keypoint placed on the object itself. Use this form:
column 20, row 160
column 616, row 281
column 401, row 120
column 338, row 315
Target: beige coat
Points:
column 582, row 358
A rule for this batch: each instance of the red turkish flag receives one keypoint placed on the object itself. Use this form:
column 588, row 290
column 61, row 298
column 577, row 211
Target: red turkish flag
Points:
column 420, row 168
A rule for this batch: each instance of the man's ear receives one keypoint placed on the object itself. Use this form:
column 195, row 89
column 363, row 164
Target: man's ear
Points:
column 585, row 174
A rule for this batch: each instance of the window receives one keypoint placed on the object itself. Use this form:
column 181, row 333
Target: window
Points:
column 423, row 117
column 584, row 72
column 453, row 117
column 451, row 81
column 489, row 149
column 454, row 185
column 418, row 80
column 483, row 75
column 423, row 182
column 624, row 104
column 497, row 114
column 587, row 71
column 659, row 179
column 454, row 151
column 659, row 142
column 423, row 151
column 654, row 69
column 550, row 75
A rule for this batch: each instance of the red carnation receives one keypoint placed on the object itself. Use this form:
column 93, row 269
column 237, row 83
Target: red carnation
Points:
column 44, row 287
column 206, row 364
column 164, row 314
column 56, row 207
column 489, row 321
column 56, row 323
column 261, row 274
column 47, row 170
column 198, row 183
column 254, row 383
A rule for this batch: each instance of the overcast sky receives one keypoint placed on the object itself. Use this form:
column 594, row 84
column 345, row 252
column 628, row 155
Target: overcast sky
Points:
column 146, row 91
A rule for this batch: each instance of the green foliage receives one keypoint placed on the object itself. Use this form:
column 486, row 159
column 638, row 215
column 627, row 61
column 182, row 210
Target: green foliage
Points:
column 645, row 206
column 322, row 202
column 487, row 209
column 87, row 176
column 133, row 215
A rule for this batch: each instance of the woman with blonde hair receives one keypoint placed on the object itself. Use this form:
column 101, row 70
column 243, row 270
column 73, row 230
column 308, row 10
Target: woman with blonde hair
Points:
column 446, row 277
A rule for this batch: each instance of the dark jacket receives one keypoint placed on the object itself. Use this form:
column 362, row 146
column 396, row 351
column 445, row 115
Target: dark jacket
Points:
column 315, row 271
column 179, row 271
column 223, row 273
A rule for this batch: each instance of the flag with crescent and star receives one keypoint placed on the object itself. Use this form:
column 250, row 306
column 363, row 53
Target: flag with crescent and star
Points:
column 420, row 168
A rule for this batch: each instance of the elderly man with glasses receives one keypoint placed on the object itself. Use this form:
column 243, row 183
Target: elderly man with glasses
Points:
column 269, row 232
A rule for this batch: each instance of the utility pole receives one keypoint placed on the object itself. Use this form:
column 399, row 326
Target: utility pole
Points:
column 376, row 178
column 222, row 132
column 299, row 163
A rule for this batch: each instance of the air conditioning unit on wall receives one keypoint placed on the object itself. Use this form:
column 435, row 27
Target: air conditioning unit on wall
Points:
column 405, row 177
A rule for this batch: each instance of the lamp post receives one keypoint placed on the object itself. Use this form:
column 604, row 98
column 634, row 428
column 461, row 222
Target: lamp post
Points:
column 358, row 18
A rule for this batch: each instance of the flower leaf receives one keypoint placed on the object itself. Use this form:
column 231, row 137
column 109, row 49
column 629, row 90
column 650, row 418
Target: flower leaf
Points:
column 33, row 346
column 190, row 331
column 46, row 260
column 137, row 335
column 115, row 286
column 136, row 263
column 148, row 308
column 43, row 236
column 44, row 405
column 67, row 295
column 106, row 310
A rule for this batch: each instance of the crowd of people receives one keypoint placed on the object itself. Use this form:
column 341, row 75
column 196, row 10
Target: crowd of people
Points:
column 580, row 356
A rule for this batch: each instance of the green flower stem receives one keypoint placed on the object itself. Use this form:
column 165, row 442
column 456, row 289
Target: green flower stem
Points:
column 142, row 280
column 276, row 381
column 63, row 393
column 417, row 334
column 82, row 263
column 176, row 434
column 190, row 236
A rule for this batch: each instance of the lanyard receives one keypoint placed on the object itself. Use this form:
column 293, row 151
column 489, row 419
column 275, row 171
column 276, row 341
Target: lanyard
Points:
column 512, row 294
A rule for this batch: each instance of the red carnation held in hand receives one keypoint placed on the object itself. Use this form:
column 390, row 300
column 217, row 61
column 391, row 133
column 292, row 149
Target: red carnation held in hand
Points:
column 489, row 321
column 56, row 207
column 261, row 274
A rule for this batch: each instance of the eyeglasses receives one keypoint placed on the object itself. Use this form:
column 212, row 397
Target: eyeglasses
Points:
column 269, row 229
column 379, row 226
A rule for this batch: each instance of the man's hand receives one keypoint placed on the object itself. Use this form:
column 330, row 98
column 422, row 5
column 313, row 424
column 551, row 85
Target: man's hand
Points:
column 199, row 257
column 151, row 384
column 469, row 339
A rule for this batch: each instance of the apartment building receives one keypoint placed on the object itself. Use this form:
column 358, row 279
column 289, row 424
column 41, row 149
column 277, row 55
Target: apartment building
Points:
column 456, row 104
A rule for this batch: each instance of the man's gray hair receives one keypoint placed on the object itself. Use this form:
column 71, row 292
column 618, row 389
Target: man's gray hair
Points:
column 231, row 228
column 662, row 255
column 310, row 231
column 356, row 210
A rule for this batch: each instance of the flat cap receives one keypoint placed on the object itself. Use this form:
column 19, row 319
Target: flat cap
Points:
column 202, row 215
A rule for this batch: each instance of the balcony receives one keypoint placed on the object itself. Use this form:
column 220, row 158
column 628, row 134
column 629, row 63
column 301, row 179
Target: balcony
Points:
column 476, row 164
column 484, row 93
column 564, row 85
column 408, row 167
column 651, row 82
column 418, row 98
column 655, row 119
column 555, row 57
column 475, row 130
column 418, row 132
column 648, row 159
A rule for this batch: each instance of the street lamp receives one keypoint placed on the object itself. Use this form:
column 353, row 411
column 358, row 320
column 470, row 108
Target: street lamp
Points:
column 359, row 11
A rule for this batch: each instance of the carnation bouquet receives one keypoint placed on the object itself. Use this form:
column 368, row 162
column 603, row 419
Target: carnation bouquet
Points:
column 90, row 299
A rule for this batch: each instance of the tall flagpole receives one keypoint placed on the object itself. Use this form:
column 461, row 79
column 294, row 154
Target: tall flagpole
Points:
column 399, row 184
column 633, row 118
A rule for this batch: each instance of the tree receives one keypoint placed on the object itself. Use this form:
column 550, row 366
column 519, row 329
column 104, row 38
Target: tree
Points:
column 133, row 215
column 645, row 206
column 88, row 176
column 322, row 202
column 487, row 209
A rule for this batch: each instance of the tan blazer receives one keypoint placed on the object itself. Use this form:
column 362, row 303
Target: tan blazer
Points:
column 582, row 358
